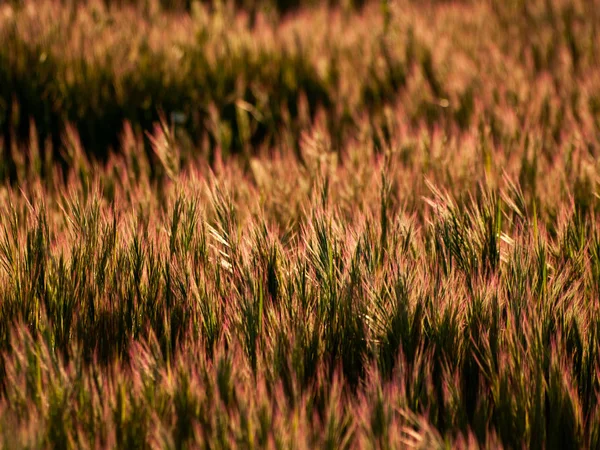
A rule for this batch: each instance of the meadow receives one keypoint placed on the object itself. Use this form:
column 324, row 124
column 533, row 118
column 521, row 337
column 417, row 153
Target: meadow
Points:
column 243, row 225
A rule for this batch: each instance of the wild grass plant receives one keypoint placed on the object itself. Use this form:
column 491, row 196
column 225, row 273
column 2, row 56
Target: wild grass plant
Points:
column 381, row 233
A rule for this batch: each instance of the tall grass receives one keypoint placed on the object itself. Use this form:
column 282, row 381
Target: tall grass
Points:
column 388, row 237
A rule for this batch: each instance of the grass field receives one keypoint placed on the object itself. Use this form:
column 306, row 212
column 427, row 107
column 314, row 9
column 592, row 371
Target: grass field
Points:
column 254, row 226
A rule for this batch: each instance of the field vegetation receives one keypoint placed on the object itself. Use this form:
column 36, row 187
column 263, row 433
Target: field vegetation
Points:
column 345, row 226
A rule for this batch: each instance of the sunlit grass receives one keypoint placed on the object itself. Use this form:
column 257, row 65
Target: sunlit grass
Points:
column 380, row 233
